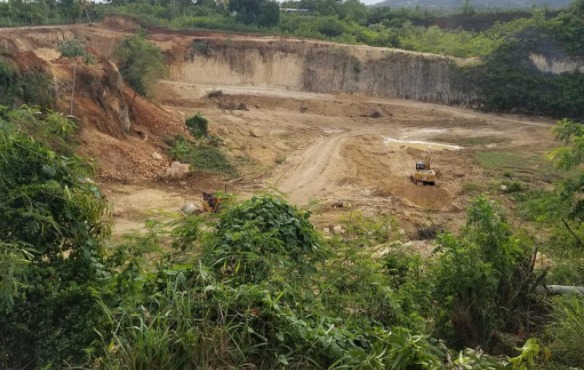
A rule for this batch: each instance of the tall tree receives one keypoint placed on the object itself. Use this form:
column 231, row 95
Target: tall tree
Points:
column 270, row 14
column 71, row 9
column 261, row 12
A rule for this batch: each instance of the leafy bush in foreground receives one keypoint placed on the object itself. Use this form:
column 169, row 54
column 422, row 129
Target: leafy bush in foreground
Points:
column 262, row 237
column 254, row 298
column 51, row 233
column 567, row 330
column 484, row 279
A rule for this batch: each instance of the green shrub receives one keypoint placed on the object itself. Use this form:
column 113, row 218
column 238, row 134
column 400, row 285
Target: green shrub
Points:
column 53, row 222
column 198, row 126
column 261, row 237
column 9, row 87
column 483, row 279
column 201, row 47
column 567, row 330
column 37, row 88
column 330, row 27
column 513, row 186
column 30, row 86
column 141, row 62
column 54, row 129
column 201, row 156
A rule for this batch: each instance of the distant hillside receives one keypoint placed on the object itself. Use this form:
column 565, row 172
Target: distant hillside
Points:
column 479, row 4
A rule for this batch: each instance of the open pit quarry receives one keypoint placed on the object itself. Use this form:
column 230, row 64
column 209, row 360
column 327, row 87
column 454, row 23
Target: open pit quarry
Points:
column 335, row 128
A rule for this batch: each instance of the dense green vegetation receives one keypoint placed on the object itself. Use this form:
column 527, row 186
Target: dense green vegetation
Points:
column 17, row 13
column 507, row 80
column 31, row 85
column 346, row 21
column 52, row 243
column 141, row 63
column 479, row 4
column 257, row 285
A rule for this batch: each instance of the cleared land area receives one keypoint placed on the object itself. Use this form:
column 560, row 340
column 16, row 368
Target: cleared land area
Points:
column 323, row 151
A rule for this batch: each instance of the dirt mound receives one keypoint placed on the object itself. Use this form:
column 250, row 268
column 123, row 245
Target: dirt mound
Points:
column 160, row 123
column 128, row 155
column 120, row 131
column 428, row 197
column 127, row 160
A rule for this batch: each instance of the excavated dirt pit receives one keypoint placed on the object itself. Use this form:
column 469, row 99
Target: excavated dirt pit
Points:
column 324, row 150
column 332, row 154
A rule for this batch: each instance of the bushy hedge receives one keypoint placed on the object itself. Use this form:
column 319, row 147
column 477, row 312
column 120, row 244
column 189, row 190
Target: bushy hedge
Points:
column 30, row 86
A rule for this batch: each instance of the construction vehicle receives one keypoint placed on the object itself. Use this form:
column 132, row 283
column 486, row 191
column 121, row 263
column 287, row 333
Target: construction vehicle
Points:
column 211, row 202
column 424, row 175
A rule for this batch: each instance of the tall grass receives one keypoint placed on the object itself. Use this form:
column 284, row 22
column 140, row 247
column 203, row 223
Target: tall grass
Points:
column 567, row 329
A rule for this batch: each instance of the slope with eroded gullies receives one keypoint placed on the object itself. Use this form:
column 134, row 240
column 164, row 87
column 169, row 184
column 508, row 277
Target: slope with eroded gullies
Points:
column 320, row 122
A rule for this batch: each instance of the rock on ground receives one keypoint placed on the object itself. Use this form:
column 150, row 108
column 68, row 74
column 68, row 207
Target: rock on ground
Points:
column 177, row 170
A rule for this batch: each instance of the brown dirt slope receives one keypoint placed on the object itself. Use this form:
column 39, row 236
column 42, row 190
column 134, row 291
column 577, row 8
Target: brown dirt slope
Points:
column 120, row 135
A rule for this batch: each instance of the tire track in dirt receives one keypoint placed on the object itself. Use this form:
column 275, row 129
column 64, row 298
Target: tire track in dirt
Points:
column 313, row 173
column 309, row 177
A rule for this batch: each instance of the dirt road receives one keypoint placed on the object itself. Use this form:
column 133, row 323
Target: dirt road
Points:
column 307, row 178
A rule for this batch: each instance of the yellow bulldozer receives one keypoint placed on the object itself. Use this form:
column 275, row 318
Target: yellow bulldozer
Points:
column 424, row 175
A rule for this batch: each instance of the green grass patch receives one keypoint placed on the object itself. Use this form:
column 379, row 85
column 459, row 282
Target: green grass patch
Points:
column 202, row 156
column 209, row 158
column 475, row 187
column 475, row 140
column 518, row 165
column 497, row 160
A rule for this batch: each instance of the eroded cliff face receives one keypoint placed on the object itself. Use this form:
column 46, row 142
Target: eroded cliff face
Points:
column 556, row 65
column 301, row 65
column 324, row 68
column 98, row 92
column 212, row 58
column 120, row 131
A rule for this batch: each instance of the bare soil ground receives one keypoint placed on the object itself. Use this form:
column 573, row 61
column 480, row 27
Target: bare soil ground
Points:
column 323, row 150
